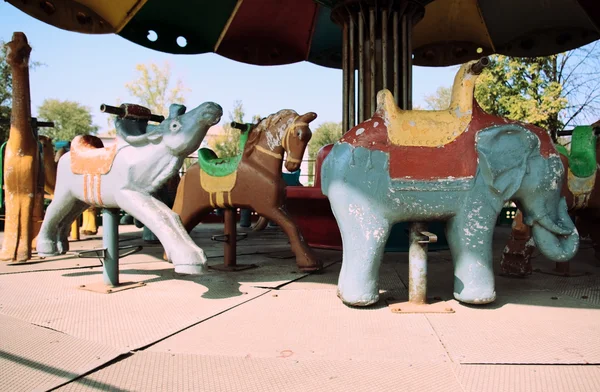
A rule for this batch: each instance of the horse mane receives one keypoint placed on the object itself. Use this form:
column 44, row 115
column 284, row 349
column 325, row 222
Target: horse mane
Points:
column 264, row 125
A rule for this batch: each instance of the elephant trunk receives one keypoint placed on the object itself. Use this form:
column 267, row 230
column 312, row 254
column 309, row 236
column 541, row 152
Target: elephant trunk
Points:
column 558, row 241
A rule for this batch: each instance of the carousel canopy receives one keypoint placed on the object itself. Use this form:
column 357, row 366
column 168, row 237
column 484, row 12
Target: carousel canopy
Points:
column 273, row 32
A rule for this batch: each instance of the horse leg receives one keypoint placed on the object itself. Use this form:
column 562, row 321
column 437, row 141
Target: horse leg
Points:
column 187, row 257
column 61, row 212
column 305, row 258
column 191, row 201
column 67, row 223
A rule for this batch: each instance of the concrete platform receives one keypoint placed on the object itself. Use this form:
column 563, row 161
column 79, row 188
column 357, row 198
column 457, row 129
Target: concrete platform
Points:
column 274, row 328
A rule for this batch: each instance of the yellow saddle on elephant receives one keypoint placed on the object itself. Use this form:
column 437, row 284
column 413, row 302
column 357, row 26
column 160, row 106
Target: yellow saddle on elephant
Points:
column 89, row 156
column 431, row 128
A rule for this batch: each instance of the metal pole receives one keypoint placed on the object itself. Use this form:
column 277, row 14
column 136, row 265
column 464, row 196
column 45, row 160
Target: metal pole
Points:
column 361, row 68
column 230, row 238
column 409, row 65
column 110, row 242
column 395, row 37
column 351, row 81
column 372, row 70
column 345, row 78
column 417, row 265
column 384, row 47
column 404, row 63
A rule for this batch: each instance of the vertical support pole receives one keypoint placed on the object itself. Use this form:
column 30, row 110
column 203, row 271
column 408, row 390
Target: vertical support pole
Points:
column 404, row 62
column 408, row 33
column 372, row 69
column 231, row 234
column 110, row 242
column 351, row 81
column 417, row 265
column 396, row 43
column 345, row 78
column 384, row 47
column 361, row 67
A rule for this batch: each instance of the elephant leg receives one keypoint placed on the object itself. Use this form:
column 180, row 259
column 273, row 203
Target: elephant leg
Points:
column 470, row 238
column 305, row 257
column 187, row 257
column 58, row 215
column 364, row 231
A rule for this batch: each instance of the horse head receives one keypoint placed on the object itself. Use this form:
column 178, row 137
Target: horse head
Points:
column 296, row 139
column 282, row 132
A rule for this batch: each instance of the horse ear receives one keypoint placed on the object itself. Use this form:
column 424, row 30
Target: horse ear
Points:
column 308, row 117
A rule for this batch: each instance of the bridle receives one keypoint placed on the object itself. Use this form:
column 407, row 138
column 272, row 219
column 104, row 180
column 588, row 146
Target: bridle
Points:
column 285, row 142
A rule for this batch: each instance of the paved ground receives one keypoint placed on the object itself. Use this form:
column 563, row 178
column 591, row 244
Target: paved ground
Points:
column 276, row 329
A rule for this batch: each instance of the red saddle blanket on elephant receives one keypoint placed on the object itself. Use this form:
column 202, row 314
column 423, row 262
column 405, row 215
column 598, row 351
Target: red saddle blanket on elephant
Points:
column 454, row 160
column 89, row 156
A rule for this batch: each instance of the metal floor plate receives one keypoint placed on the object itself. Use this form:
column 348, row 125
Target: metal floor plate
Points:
column 535, row 378
column 127, row 319
column 554, row 331
column 151, row 371
column 309, row 325
column 35, row 358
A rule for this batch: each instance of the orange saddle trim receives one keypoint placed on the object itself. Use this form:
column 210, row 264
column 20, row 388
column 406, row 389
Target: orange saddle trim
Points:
column 89, row 156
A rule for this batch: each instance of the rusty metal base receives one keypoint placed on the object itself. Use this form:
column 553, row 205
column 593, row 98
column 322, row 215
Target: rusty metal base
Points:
column 232, row 268
column 103, row 288
column 410, row 307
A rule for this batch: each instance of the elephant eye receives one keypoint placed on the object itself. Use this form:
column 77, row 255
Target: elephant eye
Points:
column 175, row 126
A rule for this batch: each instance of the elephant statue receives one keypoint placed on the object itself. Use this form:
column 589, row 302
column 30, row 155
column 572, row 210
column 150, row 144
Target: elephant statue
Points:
column 458, row 165
column 125, row 175
column 581, row 192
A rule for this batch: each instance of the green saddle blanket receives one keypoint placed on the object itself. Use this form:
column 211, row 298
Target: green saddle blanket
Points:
column 212, row 165
column 582, row 158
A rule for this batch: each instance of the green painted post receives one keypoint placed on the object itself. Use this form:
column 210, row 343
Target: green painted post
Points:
column 110, row 241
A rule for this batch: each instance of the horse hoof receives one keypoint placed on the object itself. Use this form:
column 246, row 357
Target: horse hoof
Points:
column 62, row 247
column 309, row 266
column 358, row 300
column 47, row 249
column 190, row 269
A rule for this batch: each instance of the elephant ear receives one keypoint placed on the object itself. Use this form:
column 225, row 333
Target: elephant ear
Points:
column 503, row 153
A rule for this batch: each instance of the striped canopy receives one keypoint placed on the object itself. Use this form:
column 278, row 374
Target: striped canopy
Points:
column 273, row 32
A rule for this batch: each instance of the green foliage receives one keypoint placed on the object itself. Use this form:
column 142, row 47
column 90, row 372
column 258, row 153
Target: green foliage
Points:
column 154, row 89
column 69, row 117
column 524, row 89
column 226, row 144
column 440, row 100
column 326, row 133
column 5, row 92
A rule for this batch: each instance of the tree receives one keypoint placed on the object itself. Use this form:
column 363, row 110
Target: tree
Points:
column 154, row 88
column 227, row 143
column 326, row 133
column 440, row 100
column 551, row 92
column 69, row 117
column 5, row 92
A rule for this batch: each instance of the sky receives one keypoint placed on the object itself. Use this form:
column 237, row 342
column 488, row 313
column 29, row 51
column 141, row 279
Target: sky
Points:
column 93, row 69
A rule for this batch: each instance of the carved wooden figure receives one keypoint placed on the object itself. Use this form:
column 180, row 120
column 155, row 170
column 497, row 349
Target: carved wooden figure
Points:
column 252, row 179
column 125, row 175
column 21, row 161
column 457, row 165
column 582, row 194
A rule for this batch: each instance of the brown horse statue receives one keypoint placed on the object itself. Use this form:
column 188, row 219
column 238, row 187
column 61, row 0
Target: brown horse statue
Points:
column 252, row 179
